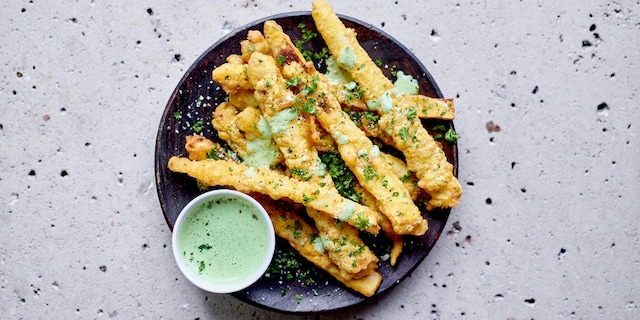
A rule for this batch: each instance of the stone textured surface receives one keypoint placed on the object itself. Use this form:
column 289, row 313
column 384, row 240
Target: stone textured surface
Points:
column 548, row 107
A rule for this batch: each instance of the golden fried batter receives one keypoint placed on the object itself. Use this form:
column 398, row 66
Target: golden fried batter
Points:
column 424, row 157
column 224, row 121
column 231, row 77
column 197, row 147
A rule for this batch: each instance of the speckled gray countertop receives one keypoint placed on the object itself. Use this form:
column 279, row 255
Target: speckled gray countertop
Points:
column 548, row 107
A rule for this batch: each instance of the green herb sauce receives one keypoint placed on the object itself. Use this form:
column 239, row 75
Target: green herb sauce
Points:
column 347, row 58
column 279, row 123
column 224, row 240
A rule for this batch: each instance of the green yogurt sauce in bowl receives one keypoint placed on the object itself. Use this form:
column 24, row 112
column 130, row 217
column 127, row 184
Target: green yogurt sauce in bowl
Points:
column 223, row 241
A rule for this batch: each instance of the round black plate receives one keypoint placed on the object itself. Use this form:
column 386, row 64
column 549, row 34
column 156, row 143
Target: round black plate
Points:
column 295, row 288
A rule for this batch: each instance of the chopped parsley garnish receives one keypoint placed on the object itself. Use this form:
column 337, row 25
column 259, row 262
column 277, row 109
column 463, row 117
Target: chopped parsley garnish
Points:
column 362, row 222
column 394, row 71
column 307, row 199
column 307, row 54
column 311, row 87
column 213, row 154
column 407, row 176
column 177, row 115
column 293, row 82
column 354, row 92
column 440, row 127
column 343, row 178
column 307, row 35
column 411, row 114
column 369, row 172
column 281, row 59
column 451, row 136
column 379, row 62
column 404, row 133
column 198, row 126
column 309, row 107
column 371, row 117
column 322, row 54
column 204, row 247
column 355, row 117
column 201, row 267
column 296, row 233
column 304, row 174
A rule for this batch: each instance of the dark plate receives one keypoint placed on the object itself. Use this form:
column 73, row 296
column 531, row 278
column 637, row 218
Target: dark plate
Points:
column 302, row 288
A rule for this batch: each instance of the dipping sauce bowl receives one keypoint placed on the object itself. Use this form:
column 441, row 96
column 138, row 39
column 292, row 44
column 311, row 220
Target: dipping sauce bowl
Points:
column 223, row 241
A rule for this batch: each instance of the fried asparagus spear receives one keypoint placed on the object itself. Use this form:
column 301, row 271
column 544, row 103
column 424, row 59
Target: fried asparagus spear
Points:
column 304, row 239
column 277, row 185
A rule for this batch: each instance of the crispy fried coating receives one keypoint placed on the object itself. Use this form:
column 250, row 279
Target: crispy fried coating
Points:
column 277, row 186
column 224, row 121
column 198, row 146
column 294, row 65
column 247, row 121
column 425, row 158
column 406, row 176
column 446, row 197
column 320, row 138
column 426, row 107
column 367, row 121
column 280, row 43
column 248, row 142
column 243, row 98
column 235, row 59
column 385, row 225
column 347, row 98
column 255, row 42
column 269, row 87
column 231, row 77
column 344, row 246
